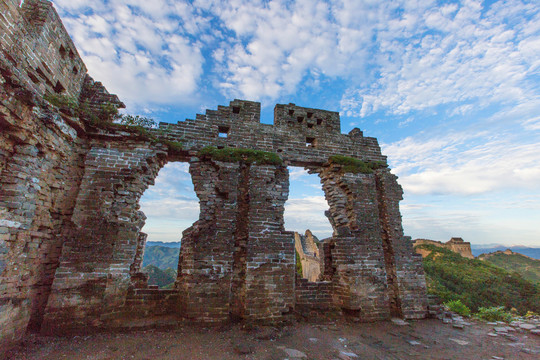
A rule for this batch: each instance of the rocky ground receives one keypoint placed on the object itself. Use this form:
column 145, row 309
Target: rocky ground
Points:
column 321, row 340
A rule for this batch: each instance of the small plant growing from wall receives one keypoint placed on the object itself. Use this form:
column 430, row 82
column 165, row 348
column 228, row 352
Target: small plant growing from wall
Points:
column 355, row 166
column 106, row 116
column 247, row 156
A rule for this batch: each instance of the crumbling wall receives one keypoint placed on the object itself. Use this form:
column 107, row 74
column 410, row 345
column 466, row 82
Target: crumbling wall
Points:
column 41, row 165
column 38, row 47
column 102, row 240
column 357, row 255
column 405, row 274
column 309, row 254
column 70, row 240
column 237, row 261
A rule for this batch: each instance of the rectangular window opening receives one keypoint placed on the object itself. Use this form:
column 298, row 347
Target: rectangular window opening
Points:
column 75, row 70
column 309, row 115
column 319, row 121
column 223, row 131
column 300, row 119
column 310, row 142
column 236, row 109
column 291, row 112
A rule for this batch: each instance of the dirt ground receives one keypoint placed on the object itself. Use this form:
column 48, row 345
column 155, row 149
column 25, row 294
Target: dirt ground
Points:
column 425, row 339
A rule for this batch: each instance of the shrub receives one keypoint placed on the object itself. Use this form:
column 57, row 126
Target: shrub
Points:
column 241, row 155
column 458, row 307
column 494, row 314
column 352, row 165
column 137, row 120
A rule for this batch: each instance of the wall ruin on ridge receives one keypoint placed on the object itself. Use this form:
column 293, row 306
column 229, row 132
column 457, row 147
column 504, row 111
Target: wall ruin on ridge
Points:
column 308, row 251
column 70, row 226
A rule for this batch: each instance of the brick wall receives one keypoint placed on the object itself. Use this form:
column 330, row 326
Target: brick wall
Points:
column 289, row 139
column 41, row 165
column 102, row 242
column 313, row 295
column 70, row 240
column 37, row 45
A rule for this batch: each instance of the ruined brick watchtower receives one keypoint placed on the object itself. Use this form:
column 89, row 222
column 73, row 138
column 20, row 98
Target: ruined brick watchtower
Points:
column 70, row 240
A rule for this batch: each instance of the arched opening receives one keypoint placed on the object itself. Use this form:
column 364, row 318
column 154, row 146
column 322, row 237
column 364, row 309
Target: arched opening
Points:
column 305, row 215
column 170, row 206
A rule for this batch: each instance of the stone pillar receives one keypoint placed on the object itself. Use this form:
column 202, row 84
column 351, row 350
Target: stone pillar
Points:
column 357, row 256
column 270, row 262
column 206, row 255
column 405, row 273
column 236, row 261
column 101, row 242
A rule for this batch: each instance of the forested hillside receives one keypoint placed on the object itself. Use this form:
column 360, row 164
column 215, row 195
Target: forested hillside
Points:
column 527, row 267
column 477, row 283
column 161, row 256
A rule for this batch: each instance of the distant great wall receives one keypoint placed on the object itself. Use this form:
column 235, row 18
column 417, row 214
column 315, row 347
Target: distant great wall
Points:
column 456, row 244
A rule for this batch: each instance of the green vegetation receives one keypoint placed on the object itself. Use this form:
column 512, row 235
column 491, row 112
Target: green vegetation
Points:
column 162, row 278
column 496, row 313
column 161, row 256
column 241, row 155
column 527, row 267
column 137, row 121
column 107, row 117
column 458, row 307
column 298, row 264
column 352, row 165
column 477, row 283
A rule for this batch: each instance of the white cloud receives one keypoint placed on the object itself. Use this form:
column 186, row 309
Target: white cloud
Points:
column 308, row 213
column 142, row 51
column 449, row 55
column 464, row 163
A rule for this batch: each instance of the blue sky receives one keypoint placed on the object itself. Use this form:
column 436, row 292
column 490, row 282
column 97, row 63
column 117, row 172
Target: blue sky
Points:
column 451, row 89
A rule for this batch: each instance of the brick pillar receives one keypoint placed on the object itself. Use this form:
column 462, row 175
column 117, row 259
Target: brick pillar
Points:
column 406, row 279
column 206, row 255
column 101, row 242
column 236, row 261
column 270, row 262
column 357, row 257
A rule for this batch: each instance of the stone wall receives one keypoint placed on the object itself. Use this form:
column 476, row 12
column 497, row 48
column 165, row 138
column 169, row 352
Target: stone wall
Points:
column 309, row 253
column 71, row 244
column 313, row 296
column 41, row 166
column 39, row 49
column 455, row 244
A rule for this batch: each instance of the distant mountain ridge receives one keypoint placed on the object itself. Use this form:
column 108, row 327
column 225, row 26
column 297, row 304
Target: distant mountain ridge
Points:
column 531, row 252
column 174, row 244
column 160, row 256
column 526, row 266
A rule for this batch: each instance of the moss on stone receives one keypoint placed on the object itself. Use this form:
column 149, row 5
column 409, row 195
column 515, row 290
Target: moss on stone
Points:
column 241, row 155
column 352, row 165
